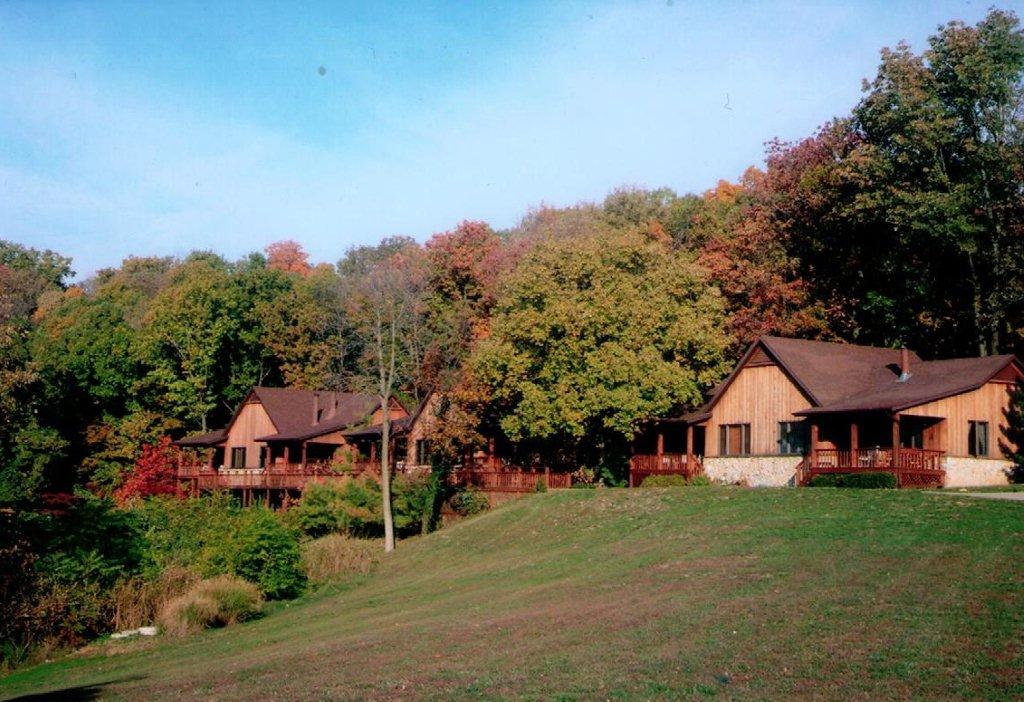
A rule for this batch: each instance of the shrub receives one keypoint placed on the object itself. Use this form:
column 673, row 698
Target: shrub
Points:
column 414, row 502
column 319, row 512
column 584, row 478
column 155, row 472
column 352, row 507
column 656, row 481
column 219, row 601
column 541, row 486
column 824, row 480
column 699, row 480
column 867, row 480
column 213, row 536
column 854, row 480
column 265, row 552
column 469, row 502
column 335, row 556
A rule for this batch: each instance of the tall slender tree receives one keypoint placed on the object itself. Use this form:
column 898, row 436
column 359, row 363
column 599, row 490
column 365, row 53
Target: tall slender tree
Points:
column 386, row 304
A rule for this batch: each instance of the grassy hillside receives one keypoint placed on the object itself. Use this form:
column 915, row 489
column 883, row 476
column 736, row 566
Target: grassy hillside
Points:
column 617, row 594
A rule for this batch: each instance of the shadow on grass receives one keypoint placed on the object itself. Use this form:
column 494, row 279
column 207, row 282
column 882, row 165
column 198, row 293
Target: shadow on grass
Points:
column 80, row 693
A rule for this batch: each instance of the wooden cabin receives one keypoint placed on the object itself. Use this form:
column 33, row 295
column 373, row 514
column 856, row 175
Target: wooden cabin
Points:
column 792, row 409
column 279, row 439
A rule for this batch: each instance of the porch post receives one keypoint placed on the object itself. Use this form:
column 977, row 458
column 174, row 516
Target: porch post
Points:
column 287, row 454
column 303, row 455
column 490, row 453
column 814, row 443
column 689, row 446
column 854, row 430
column 373, row 451
column 209, row 458
column 895, row 440
column 661, row 442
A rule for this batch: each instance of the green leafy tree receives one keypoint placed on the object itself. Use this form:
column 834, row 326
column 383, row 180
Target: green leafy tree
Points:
column 594, row 335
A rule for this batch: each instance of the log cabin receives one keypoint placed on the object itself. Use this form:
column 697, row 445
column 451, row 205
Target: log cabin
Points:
column 280, row 439
column 792, row 409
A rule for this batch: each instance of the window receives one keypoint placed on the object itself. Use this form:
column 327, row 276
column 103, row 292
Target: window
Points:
column 792, row 438
column 977, row 438
column 734, row 439
column 238, row 457
column 422, row 452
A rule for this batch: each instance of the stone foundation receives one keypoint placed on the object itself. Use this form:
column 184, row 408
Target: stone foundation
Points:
column 755, row 471
column 963, row 471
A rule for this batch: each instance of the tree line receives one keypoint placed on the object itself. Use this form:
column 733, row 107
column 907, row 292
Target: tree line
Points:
column 900, row 222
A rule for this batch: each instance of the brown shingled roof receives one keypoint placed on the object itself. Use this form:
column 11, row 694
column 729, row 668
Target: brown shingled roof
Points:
column 838, row 377
column 293, row 411
column 929, row 381
column 211, row 438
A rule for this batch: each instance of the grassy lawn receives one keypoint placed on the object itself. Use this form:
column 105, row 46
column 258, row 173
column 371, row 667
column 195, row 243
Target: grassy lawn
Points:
column 615, row 594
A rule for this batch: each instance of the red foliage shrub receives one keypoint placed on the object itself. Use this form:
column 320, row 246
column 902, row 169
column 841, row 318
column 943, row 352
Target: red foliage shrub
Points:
column 155, row 472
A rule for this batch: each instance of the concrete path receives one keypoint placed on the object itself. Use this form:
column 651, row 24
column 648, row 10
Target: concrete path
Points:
column 1012, row 496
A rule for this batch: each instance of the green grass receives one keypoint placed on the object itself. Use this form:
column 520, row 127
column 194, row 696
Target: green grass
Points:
column 615, row 594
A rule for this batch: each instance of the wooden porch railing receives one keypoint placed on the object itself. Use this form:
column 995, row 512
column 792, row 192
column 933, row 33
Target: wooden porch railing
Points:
column 641, row 466
column 508, row 479
column 913, row 467
column 277, row 476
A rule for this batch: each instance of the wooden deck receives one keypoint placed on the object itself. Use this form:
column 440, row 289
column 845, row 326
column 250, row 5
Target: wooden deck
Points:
column 487, row 476
column 509, row 479
column 913, row 467
column 641, row 466
column 280, row 476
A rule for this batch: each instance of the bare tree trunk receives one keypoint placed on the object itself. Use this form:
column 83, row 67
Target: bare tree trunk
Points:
column 385, row 477
column 387, row 353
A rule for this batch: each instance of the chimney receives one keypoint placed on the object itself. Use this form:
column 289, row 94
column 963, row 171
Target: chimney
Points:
column 316, row 407
column 904, row 365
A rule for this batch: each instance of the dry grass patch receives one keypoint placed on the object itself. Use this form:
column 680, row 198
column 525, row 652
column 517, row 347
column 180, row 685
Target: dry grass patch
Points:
column 216, row 602
column 335, row 556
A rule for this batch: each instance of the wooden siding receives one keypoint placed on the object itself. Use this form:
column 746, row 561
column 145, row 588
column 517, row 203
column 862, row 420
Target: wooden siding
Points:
column 761, row 396
column 422, row 428
column 252, row 421
column 986, row 404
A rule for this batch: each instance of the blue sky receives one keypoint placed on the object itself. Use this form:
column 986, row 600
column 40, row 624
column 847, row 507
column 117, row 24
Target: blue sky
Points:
column 154, row 129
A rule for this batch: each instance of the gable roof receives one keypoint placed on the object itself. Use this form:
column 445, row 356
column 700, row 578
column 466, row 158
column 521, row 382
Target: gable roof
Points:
column 293, row 412
column 837, row 377
column 398, row 426
column 928, row 381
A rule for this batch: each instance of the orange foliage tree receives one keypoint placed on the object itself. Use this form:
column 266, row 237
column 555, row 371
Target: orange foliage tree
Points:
column 288, row 256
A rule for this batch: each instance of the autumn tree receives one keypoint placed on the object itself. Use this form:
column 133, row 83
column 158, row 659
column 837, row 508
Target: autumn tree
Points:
column 288, row 256
column 745, row 254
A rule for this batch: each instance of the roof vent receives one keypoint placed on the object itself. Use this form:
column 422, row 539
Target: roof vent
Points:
column 904, row 365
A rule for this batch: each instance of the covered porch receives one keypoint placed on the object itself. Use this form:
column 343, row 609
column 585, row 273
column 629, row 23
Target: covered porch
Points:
column 911, row 447
column 667, row 447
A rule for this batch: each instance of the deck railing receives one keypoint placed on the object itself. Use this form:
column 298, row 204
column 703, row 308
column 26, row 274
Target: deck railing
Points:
column 277, row 476
column 642, row 466
column 871, row 458
column 913, row 467
column 509, row 479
